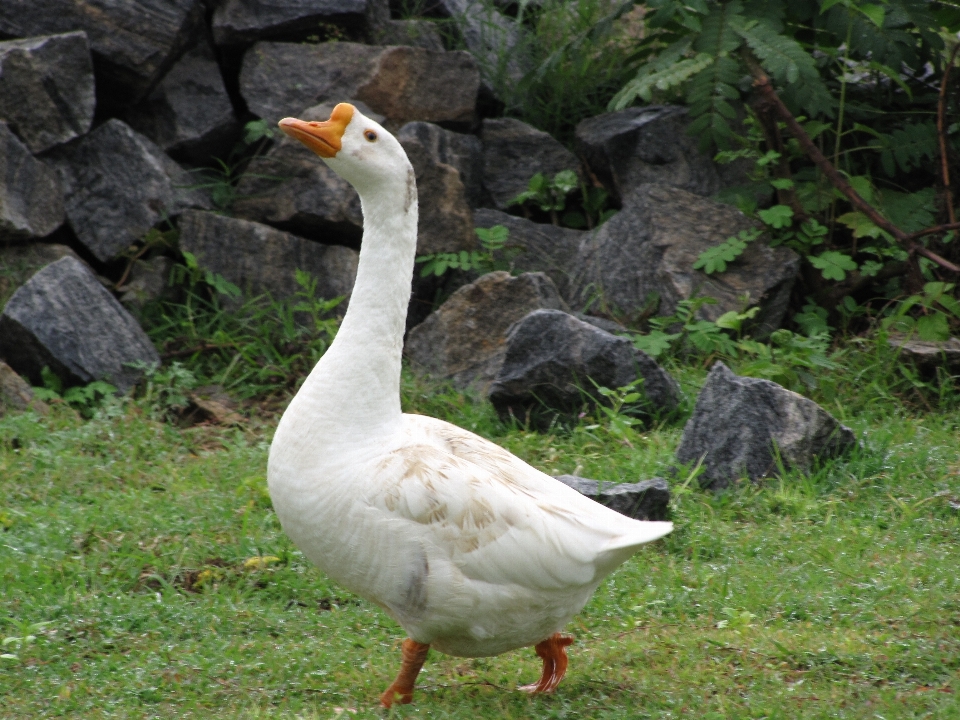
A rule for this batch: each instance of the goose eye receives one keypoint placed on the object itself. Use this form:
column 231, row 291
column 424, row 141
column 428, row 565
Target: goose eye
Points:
column 370, row 135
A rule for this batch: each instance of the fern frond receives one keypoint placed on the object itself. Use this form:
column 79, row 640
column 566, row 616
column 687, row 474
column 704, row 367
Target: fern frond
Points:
column 781, row 56
column 708, row 95
column 642, row 86
column 718, row 37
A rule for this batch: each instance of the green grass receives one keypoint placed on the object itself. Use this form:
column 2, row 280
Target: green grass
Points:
column 833, row 595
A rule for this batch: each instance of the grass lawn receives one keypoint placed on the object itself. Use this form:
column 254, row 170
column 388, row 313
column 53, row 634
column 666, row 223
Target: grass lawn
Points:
column 146, row 562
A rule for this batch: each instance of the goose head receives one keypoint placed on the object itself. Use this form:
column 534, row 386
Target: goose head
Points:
column 355, row 147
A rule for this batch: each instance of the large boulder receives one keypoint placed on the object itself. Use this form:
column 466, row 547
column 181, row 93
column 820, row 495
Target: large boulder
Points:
column 31, row 197
column 491, row 37
column 21, row 262
column 464, row 340
column 644, row 500
column 415, row 33
column 513, row 152
column 652, row 244
column 46, row 88
column 401, row 83
column 745, row 427
column 459, row 150
column 261, row 259
column 554, row 363
column 189, row 113
column 64, row 319
column 117, row 185
column 446, row 220
column 542, row 247
column 133, row 43
column 240, row 22
column 293, row 189
column 650, row 144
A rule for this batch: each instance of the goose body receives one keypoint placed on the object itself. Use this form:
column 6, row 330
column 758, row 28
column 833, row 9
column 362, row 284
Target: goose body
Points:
column 471, row 550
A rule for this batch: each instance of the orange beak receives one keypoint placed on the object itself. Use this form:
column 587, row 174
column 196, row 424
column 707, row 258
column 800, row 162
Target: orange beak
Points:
column 324, row 138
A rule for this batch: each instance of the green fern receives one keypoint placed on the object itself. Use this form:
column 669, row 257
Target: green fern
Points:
column 715, row 259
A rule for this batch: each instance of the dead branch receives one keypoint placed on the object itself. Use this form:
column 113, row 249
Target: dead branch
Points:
column 942, row 134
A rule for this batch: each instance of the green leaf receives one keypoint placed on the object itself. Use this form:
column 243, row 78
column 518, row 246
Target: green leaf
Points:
column 782, row 183
column 933, row 327
column 833, row 265
column 861, row 225
column 778, row 216
column 876, row 13
column 715, row 259
column 655, row 343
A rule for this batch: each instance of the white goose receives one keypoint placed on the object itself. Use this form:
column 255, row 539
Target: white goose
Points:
column 468, row 548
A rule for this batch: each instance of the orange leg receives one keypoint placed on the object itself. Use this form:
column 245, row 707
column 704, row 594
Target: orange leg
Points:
column 554, row 658
column 401, row 689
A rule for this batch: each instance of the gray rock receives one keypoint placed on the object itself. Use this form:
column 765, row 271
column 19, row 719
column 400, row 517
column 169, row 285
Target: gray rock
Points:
column 644, row 500
column 415, row 33
column 16, row 393
column 543, row 247
column 260, row 259
column 554, row 363
column 18, row 263
column 927, row 354
column 651, row 245
column 740, row 426
column 31, row 197
column 446, row 220
column 148, row 280
column 459, row 150
column 189, row 113
column 464, row 340
column 401, row 83
column 492, row 38
column 118, row 184
column 64, row 319
column 293, row 189
column 628, row 148
column 513, row 152
column 239, row 22
column 133, row 43
column 47, row 89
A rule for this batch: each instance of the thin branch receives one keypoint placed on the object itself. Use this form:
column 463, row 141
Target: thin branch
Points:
column 763, row 84
column 934, row 230
column 942, row 134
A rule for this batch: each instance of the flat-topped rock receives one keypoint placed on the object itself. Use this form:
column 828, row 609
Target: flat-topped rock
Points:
column 651, row 245
column 927, row 354
column 31, row 195
column 261, row 259
column 464, row 340
column 64, row 319
column 117, row 185
column 742, row 427
column 239, row 22
column 21, row 262
column 47, row 88
column 554, row 364
column 644, row 500
column 402, row 83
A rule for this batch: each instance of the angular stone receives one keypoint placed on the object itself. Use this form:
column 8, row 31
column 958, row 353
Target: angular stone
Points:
column 260, row 259
column 239, row 22
column 491, row 37
column 927, row 354
column 446, row 220
column 18, row 263
column 31, row 196
column 513, row 152
column 189, row 113
column 464, row 340
column 554, row 363
column 461, row 151
column 16, row 393
column 401, row 83
column 415, row 33
column 644, row 500
column 651, row 245
column 293, row 189
column 650, row 144
column 741, row 426
column 47, row 89
column 148, row 280
column 118, row 184
column 133, row 43
column 543, row 247
column 64, row 319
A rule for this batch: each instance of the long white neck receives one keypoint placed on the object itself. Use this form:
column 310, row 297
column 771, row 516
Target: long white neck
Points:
column 354, row 391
